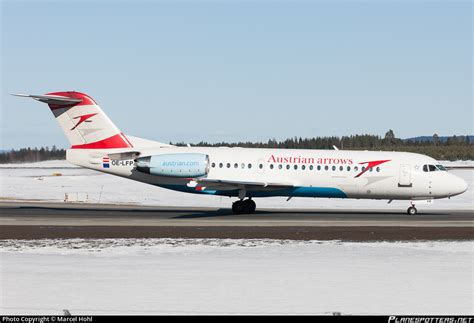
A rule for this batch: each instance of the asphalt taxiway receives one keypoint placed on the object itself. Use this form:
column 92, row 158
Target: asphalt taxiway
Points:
column 26, row 220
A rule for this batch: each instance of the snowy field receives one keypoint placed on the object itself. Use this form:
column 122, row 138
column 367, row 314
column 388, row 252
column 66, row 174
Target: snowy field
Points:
column 39, row 182
column 212, row 276
column 156, row 276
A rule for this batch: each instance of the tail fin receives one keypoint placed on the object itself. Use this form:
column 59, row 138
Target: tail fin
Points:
column 85, row 124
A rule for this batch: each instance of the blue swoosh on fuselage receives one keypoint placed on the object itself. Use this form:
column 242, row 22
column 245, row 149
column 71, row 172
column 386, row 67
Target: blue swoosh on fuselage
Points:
column 300, row 191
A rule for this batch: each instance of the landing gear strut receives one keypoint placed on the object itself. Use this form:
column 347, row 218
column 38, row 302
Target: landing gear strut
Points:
column 243, row 206
column 412, row 210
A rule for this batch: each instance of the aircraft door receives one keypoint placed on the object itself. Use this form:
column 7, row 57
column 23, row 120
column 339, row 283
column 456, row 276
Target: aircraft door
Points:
column 404, row 179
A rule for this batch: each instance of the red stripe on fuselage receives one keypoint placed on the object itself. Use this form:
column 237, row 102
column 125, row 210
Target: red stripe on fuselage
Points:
column 115, row 141
column 371, row 164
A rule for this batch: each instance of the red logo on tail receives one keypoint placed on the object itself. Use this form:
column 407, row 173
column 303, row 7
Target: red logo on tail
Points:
column 82, row 119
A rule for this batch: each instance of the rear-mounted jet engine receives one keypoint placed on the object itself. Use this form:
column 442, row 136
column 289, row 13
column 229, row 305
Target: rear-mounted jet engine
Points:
column 174, row 165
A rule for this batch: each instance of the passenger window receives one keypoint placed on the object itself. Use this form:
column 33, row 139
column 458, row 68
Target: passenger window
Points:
column 311, row 167
column 356, row 168
column 228, row 165
column 287, row 166
column 271, row 166
column 213, row 165
column 242, row 165
column 260, row 166
column 326, row 167
column 333, row 168
column 371, row 169
column 377, row 169
column 250, row 166
column 295, row 167
column 220, row 165
column 319, row 167
column 341, row 168
column 236, row 165
column 303, row 167
column 363, row 168
column 348, row 168
column 280, row 166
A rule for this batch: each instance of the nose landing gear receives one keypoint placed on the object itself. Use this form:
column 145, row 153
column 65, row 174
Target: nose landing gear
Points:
column 412, row 210
column 243, row 206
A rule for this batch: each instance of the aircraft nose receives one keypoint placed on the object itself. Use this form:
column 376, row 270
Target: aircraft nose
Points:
column 458, row 186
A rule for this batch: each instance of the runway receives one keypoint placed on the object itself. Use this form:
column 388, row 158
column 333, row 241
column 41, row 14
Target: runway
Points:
column 21, row 220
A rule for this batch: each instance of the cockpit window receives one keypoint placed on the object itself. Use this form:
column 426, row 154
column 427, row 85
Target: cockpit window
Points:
column 433, row 168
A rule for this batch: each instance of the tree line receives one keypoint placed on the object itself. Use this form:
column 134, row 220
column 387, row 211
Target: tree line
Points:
column 446, row 148
column 450, row 148
column 25, row 155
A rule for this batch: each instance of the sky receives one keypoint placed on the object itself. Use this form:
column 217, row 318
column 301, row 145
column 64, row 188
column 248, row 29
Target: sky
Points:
column 240, row 70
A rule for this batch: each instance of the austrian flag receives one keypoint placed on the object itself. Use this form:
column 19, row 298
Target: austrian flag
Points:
column 106, row 162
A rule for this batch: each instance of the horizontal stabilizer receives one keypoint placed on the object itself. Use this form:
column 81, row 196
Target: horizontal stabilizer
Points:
column 51, row 99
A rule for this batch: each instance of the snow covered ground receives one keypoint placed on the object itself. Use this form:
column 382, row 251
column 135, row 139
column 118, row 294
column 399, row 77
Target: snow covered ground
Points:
column 208, row 276
column 157, row 276
column 39, row 181
column 457, row 163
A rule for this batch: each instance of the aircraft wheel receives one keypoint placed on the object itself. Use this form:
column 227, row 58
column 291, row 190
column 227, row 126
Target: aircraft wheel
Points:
column 238, row 207
column 412, row 210
column 249, row 206
column 243, row 206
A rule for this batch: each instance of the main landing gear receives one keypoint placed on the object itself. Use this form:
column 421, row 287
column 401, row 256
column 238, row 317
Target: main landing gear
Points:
column 243, row 206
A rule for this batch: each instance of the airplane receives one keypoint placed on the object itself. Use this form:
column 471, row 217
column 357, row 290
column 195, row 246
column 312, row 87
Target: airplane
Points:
column 245, row 173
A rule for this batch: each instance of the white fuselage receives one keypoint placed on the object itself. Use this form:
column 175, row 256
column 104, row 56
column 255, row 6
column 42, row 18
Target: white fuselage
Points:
column 311, row 173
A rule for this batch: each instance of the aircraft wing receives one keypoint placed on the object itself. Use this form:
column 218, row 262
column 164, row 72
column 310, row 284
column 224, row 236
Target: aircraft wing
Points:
column 219, row 184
